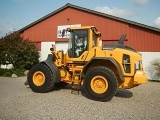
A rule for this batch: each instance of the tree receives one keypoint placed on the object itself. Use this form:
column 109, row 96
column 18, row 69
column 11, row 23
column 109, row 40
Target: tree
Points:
column 21, row 53
column 156, row 64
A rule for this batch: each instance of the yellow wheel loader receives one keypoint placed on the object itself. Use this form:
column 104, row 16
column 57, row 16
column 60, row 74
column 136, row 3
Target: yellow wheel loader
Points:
column 99, row 71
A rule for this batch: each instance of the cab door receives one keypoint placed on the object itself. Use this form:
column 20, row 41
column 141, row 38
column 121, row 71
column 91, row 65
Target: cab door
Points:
column 78, row 46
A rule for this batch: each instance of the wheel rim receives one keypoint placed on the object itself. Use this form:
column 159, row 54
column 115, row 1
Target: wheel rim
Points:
column 99, row 84
column 38, row 78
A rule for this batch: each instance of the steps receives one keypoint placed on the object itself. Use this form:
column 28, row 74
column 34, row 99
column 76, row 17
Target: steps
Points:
column 76, row 79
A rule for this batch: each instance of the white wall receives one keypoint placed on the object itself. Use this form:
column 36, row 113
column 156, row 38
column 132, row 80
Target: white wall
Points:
column 147, row 58
column 62, row 46
column 45, row 49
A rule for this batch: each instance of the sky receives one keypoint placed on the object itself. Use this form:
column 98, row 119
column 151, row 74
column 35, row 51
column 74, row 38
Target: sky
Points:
column 16, row 14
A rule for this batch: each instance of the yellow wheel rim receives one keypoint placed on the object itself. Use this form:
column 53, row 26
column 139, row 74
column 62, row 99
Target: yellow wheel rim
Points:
column 38, row 78
column 99, row 84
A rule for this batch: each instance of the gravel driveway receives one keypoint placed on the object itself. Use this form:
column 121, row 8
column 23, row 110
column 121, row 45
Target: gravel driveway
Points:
column 18, row 102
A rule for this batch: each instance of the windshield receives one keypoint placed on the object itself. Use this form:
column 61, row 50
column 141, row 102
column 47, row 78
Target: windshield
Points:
column 77, row 42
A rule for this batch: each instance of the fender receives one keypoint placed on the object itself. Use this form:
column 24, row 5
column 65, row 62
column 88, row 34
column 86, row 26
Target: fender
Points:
column 50, row 63
column 106, row 59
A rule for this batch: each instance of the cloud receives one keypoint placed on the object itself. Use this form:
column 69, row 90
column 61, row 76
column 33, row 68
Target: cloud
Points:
column 140, row 2
column 114, row 11
column 157, row 22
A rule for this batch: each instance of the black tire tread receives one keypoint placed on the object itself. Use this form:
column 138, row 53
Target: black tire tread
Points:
column 114, row 84
column 50, row 78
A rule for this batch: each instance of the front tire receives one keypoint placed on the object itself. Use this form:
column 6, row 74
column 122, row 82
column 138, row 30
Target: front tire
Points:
column 41, row 78
column 100, row 84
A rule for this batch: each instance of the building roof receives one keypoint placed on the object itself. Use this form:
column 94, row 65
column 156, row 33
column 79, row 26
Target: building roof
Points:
column 92, row 12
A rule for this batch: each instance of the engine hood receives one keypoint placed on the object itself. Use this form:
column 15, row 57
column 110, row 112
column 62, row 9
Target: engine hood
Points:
column 114, row 46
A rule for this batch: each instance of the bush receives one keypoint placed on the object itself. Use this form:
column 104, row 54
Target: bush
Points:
column 156, row 64
column 2, row 71
column 19, row 72
column 21, row 53
column 9, row 72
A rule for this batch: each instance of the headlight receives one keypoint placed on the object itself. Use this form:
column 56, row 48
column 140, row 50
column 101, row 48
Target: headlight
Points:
column 137, row 65
column 51, row 49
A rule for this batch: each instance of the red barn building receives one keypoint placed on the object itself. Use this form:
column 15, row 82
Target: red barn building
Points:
column 143, row 38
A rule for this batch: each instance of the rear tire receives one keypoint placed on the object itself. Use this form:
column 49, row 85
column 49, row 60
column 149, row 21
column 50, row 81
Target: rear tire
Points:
column 100, row 84
column 41, row 78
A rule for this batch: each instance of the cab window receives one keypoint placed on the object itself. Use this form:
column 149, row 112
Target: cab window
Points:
column 78, row 40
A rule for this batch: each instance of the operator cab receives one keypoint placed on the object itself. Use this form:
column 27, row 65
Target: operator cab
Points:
column 79, row 41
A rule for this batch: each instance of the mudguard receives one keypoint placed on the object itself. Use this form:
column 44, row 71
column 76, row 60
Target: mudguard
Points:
column 50, row 63
column 107, row 59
